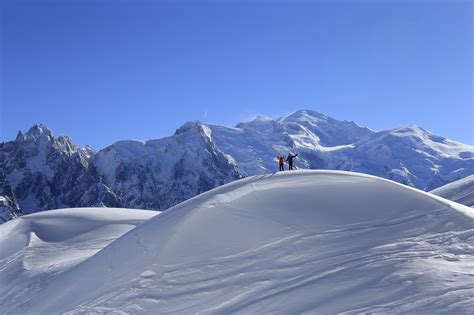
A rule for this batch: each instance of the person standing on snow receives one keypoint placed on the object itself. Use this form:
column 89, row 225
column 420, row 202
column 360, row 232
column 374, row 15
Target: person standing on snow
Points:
column 281, row 162
column 289, row 159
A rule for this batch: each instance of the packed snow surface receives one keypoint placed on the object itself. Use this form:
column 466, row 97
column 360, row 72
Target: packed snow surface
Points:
column 461, row 191
column 36, row 248
column 291, row 242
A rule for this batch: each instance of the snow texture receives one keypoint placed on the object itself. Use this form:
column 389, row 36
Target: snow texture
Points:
column 461, row 191
column 36, row 248
column 290, row 242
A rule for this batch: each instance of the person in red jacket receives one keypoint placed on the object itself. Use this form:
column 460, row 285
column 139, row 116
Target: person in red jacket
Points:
column 281, row 162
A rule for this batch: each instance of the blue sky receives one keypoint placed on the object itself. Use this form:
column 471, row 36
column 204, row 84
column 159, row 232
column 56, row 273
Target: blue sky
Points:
column 101, row 71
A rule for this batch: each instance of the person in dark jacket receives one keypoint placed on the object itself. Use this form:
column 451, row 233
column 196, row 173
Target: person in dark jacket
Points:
column 289, row 159
column 281, row 162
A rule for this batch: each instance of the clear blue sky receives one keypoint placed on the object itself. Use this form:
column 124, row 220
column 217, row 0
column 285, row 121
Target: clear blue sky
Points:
column 101, row 71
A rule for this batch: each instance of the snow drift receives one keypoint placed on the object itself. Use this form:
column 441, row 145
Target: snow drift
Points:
column 35, row 248
column 293, row 242
column 461, row 191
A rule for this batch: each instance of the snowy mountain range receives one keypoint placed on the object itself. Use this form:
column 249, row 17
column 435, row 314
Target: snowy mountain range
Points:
column 40, row 172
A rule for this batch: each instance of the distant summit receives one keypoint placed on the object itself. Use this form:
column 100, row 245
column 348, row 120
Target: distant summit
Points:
column 35, row 133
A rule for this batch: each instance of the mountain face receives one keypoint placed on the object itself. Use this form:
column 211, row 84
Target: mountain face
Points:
column 45, row 172
column 9, row 207
column 157, row 174
column 409, row 155
column 412, row 156
column 41, row 172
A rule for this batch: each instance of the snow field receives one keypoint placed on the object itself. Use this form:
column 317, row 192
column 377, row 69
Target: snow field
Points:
column 290, row 242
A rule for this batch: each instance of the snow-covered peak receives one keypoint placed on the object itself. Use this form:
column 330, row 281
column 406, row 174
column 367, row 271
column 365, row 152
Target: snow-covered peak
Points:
column 420, row 133
column 194, row 129
column 314, row 117
column 328, row 131
column 304, row 114
column 409, row 130
column 66, row 144
column 36, row 133
column 189, row 125
column 258, row 123
column 160, row 173
column 45, row 172
column 40, row 141
column 418, row 137
column 260, row 119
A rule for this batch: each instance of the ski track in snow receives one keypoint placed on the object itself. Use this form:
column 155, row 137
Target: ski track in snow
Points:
column 411, row 252
column 247, row 282
column 461, row 191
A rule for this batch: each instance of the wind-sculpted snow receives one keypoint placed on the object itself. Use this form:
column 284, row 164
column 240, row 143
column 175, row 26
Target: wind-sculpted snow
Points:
column 35, row 248
column 295, row 242
column 461, row 191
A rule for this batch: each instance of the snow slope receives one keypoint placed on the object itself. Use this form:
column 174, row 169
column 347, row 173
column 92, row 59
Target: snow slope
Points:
column 292, row 242
column 461, row 191
column 35, row 248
